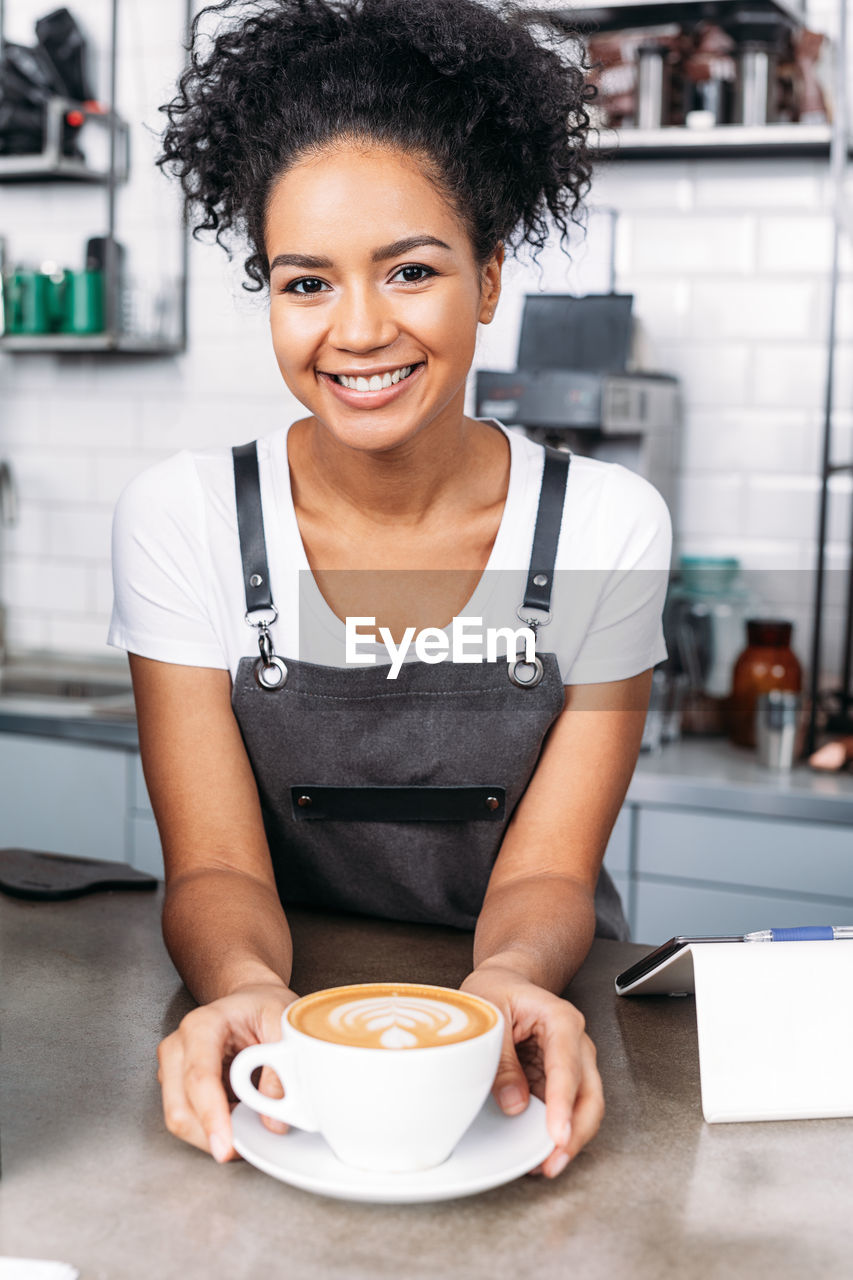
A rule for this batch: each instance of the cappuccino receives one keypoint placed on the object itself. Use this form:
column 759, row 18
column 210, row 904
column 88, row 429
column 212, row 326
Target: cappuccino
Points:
column 384, row 1015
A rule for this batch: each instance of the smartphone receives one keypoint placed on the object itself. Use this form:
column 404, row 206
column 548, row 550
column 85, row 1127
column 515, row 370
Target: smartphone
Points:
column 668, row 970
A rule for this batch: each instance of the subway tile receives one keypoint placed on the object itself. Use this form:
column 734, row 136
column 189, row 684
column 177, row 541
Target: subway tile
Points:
column 625, row 185
column 205, row 423
column 84, row 534
column 690, row 243
column 26, row 630
column 45, row 477
column 662, row 306
column 101, row 589
column 760, row 309
column 712, row 374
column 789, row 375
column 710, row 504
column 57, row 586
column 769, row 184
column 800, row 243
column 93, row 422
column 22, row 416
column 747, row 439
column 71, row 634
column 779, row 506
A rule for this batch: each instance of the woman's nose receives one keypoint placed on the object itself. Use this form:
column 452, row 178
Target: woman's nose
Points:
column 362, row 321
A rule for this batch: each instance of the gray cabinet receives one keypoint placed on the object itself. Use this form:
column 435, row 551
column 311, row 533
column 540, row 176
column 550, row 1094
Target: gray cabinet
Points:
column 713, row 873
column 63, row 797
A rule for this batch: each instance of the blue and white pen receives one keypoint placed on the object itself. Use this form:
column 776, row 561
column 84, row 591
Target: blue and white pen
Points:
column 805, row 933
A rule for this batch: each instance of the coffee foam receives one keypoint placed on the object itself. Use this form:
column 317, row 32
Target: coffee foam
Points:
column 382, row 1016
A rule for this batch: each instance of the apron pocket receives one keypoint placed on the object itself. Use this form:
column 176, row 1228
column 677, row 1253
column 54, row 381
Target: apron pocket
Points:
column 399, row 804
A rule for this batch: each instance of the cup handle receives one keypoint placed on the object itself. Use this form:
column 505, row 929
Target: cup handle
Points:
column 291, row 1109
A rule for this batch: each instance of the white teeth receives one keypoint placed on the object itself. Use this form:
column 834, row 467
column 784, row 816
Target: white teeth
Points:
column 376, row 382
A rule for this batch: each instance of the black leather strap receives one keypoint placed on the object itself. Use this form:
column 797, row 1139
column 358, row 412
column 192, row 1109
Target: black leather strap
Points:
column 399, row 804
column 549, row 518
column 250, row 523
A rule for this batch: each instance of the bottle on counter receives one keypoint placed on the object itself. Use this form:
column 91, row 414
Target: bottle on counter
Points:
column 768, row 662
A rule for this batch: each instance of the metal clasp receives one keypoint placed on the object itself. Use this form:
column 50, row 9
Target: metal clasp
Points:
column 270, row 670
column 523, row 673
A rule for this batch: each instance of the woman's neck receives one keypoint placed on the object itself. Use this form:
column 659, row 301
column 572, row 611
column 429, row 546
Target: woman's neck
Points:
column 442, row 469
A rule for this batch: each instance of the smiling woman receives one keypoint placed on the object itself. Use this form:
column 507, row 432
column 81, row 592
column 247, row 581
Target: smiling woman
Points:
column 379, row 157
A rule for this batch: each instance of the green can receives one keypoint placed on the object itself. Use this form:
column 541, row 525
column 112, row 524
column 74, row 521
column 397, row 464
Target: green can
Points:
column 83, row 302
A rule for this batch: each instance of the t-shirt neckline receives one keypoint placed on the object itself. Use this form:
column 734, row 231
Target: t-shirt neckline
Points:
column 315, row 602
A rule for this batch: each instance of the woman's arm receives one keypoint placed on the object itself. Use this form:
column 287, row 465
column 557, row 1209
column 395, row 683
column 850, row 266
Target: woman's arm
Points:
column 538, row 911
column 538, row 916
column 223, row 921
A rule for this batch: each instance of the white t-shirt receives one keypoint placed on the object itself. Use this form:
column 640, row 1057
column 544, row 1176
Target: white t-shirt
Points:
column 179, row 584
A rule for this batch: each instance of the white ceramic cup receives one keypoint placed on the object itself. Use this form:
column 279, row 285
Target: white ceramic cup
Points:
column 388, row 1110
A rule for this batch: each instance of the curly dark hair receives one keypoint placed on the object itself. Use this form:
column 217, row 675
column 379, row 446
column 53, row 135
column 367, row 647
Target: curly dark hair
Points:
column 492, row 98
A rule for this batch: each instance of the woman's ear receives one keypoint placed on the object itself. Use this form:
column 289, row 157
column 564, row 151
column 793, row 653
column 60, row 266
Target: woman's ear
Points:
column 491, row 284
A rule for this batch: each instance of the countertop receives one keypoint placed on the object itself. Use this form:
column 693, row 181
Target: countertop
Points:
column 91, row 1177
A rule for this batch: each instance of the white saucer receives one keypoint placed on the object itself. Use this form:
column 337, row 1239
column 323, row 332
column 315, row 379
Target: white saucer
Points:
column 496, row 1149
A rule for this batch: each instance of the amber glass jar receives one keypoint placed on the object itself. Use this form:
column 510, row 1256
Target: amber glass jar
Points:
column 768, row 662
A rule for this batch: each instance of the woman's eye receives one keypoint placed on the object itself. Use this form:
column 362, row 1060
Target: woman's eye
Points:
column 415, row 267
column 311, row 283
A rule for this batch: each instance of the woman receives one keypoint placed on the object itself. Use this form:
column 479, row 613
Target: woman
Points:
column 379, row 157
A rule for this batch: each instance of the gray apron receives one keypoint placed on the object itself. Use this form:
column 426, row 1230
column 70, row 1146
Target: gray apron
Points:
column 387, row 797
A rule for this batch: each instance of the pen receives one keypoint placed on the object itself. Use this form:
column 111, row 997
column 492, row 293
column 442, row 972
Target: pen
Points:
column 805, row 933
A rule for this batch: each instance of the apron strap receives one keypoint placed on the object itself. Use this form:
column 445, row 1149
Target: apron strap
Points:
column 549, row 518
column 250, row 523
column 253, row 550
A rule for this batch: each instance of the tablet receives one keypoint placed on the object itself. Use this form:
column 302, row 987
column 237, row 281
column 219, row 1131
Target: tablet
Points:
column 666, row 971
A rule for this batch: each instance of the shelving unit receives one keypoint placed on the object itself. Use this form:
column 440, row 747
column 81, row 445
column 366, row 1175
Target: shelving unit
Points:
column 724, row 142
column 51, row 165
column 775, row 140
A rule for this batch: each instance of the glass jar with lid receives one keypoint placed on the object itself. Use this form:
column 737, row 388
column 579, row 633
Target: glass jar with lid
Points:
column 768, row 662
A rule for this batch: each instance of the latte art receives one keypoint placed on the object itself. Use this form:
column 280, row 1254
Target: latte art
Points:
column 400, row 1022
column 382, row 1016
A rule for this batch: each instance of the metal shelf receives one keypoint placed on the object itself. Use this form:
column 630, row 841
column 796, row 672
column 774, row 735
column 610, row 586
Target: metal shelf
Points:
column 52, row 165
column 611, row 15
column 78, row 344
column 731, row 140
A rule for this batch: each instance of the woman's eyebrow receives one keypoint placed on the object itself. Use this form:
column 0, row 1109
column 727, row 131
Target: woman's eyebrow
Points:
column 384, row 252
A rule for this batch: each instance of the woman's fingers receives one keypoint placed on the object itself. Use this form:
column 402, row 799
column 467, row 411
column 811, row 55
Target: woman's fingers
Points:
column 561, row 1035
column 181, row 1097
column 589, row 1104
column 510, row 1089
column 271, row 1087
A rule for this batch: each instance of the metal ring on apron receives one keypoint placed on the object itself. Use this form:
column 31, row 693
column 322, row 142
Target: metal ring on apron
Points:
column 535, row 665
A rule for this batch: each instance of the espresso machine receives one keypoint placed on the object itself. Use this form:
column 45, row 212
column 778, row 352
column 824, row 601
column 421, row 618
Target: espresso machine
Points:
column 572, row 389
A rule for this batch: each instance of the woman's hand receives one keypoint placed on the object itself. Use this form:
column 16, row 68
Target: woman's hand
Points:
column 194, row 1062
column 547, row 1052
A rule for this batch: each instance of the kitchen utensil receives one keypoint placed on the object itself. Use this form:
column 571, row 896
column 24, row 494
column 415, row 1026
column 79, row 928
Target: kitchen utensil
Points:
column 777, row 725
column 83, row 309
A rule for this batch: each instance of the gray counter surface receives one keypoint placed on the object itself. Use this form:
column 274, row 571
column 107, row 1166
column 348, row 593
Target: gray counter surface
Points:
column 91, row 1177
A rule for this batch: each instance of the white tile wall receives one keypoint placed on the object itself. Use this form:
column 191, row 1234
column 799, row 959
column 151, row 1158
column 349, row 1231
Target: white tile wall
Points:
column 727, row 261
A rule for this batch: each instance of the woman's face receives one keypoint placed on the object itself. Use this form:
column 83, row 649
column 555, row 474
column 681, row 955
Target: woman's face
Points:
column 372, row 274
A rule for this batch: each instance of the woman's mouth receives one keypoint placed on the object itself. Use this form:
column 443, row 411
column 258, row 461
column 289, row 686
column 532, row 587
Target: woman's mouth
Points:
column 375, row 390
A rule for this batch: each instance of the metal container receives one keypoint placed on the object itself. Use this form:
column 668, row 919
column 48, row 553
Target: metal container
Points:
column 652, row 87
column 777, row 724
column 755, row 87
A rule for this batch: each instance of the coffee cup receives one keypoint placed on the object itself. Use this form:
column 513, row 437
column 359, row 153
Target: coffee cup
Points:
column 391, row 1074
